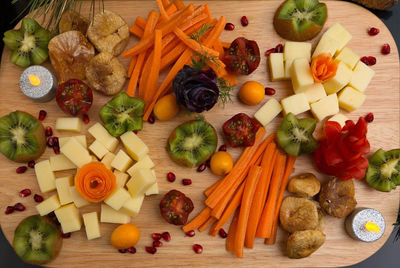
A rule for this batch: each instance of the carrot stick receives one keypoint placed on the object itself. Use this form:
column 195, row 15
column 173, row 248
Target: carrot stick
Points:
column 201, row 218
column 207, row 11
column 271, row 240
column 163, row 13
column 210, row 189
column 179, row 4
column 205, row 225
column 170, row 9
column 152, row 79
column 247, row 198
column 169, row 58
column 231, row 79
column 225, row 45
column 232, row 232
column 131, row 66
column 166, row 3
column 140, row 22
column 136, row 30
column 194, row 44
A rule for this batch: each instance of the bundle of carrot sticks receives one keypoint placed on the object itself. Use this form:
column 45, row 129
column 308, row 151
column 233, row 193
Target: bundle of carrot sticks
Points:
column 254, row 189
column 165, row 41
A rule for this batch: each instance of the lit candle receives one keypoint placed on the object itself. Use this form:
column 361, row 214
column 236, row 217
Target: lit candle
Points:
column 365, row 224
column 38, row 83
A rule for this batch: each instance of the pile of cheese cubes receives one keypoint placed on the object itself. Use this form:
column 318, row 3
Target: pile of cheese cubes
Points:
column 132, row 169
column 345, row 90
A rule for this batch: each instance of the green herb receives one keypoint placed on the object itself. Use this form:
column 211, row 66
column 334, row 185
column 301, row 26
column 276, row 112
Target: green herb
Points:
column 197, row 35
column 225, row 90
column 201, row 60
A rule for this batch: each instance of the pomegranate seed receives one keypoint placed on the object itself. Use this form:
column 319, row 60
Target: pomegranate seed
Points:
column 198, row 249
column 202, row 167
column 190, row 233
column 85, row 119
column 42, row 115
column 208, row 162
column 56, row 149
column 186, row 181
column 222, row 233
column 151, row 119
column 19, row 207
column 157, row 243
column 171, row 177
column 369, row 117
column 50, row 142
column 269, row 91
column 373, row 31
column 370, row 60
column 52, row 215
column 269, row 52
column 25, row 193
column 244, row 21
column 38, row 198
column 279, row 48
column 156, row 236
column 151, row 250
column 229, row 26
column 122, row 250
column 385, row 49
column 9, row 210
column 222, row 148
column 67, row 235
column 56, row 142
column 21, row 169
column 31, row 164
column 131, row 250
column 166, row 236
column 136, row 132
column 48, row 132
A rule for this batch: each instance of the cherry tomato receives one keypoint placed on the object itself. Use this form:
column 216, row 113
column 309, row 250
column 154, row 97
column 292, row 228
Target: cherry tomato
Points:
column 175, row 207
column 74, row 97
column 242, row 57
column 240, row 130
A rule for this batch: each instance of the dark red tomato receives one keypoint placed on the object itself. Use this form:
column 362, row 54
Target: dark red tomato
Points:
column 74, row 97
column 240, row 130
column 242, row 57
column 175, row 207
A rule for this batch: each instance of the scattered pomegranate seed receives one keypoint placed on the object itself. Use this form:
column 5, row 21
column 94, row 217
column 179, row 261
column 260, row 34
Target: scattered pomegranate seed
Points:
column 385, row 49
column 9, row 210
column 25, row 193
column 67, row 235
column 171, row 177
column 269, row 52
column 208, row 162
column 55, row 141
column 151, row 250
column 202, row 167
column 122, row 250
column 370, row 60
column 85, row 119
column 42, row 115
column 21, row 169
column 151, row 119
column 52, row 215
column 131, row 250
column 229, row 26
column 156, row 236
column 31, row 164
column 373, row 31
column 56, row 149
column 136, row 132
column 157, row 243
column 48, row 132
column 222, row 233
column 222, row 148
column 50, row 142
column 186, row 181
column 19, row 207
column 244, row 21
column 166, row 236
column 198, row 249
column 269, row 91
column 279, row 48
column 369, row 117
column 38, row 198
column 190, row 233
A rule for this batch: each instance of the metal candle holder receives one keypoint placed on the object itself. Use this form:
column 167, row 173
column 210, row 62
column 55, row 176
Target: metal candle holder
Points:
column 38, row 83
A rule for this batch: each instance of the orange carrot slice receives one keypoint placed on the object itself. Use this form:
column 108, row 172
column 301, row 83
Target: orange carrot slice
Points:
column 323, row 67
column 197, row 221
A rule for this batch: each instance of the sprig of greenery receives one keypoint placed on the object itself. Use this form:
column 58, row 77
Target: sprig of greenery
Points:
column 197, row 35
column 225, row 90
column 201, row 60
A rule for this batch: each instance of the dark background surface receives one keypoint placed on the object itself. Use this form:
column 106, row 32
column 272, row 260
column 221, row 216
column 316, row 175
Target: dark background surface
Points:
column 387, row 256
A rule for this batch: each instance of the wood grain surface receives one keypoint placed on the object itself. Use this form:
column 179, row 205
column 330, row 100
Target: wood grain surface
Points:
column 338, row 250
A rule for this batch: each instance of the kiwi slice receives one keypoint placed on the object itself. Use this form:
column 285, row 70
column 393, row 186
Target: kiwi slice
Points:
column 383, row 172
column 122, row 114
column 300, row 20
column 192, row 143
column 22, row 137
column 295, row 135
column 37, row 240
column 28, row 44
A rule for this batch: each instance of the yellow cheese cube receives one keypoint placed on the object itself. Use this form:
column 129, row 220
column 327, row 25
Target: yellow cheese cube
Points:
column 69, row 218
column 62, row 185
column 268, row 112
column 121, row 161
column 108, row 214
column 98, row 149
column 362, row 75
column 276, row 66
column 313, row 92
column 153, row 189
column 79, row 201
column 101, row 134
column 340, row 80
column 349, row 57
column 145, row 162
column 340, row 34
column 133, row 205
column 117, row 198
column 301, row 73
column 61, row 162
column 134, row 145
column 75, row 152
column 121, row 178
column 295, row 104
column 107, row 159
column 48, row 205
column 288, row 69
column 80, row 138
column 295, row 50
column 141, row 180
column 351, row 99
column 73, row 124
column 45, row 176
column 340, row 118
column 326, row 45
column 92, row 225
column 325, row 107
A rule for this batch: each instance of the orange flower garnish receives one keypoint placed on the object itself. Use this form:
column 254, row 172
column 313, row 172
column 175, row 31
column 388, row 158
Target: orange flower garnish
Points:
column 323, row 67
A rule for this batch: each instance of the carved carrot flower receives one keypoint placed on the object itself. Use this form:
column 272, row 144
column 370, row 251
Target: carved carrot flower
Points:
column 323, row 67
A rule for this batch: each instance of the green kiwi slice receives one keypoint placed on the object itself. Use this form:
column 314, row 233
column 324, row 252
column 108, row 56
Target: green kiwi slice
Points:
column 37, row 240
column 122, row 114
column 295, row 135
column 300, row 20
column 383, row 172
column 22, row 137
column 192, row 143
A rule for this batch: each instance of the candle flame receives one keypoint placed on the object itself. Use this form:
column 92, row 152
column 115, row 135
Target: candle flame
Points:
column 372, row 227
column 35, row 80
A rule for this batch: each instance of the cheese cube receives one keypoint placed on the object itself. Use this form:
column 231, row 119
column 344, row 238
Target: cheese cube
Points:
column 276, row 66
column 325, row 107
column 141, row 180
column 349, row 57
column 133, row 205
column 340, row 34
column 351, row 99
column 107, row 159
column 80, row 138
column 121, row 178
column 134, row 145
column 73, row 124
column 98, row 149
column 79, row 201
column 92, row 225
column 117, row 198
column 340, row 118
column 69, row 218
column 326, row 45
column 48, row 205
column 108, row 214
column 339, row 81
column 145, row 162
column 153, row 189
column 121, row 161
column 75, row 152
column 295, row 104
column 295, row 50
column 313, row 92
column 45, row 176
column 268, row 112
column 362, row 76
column 61, row 162
column 101, row 134
column 62, row 185
column 301, row 73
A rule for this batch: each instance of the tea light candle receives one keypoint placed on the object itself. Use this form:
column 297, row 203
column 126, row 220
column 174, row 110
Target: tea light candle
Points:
column 38, row 83
column 365, row 224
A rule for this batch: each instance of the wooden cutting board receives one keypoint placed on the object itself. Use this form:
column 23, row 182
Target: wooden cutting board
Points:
column 338, row 250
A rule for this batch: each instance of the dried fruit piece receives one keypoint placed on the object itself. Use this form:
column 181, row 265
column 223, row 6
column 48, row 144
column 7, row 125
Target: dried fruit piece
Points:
column 73, row 21
column 297, row 214
column 305, row 185
column 303, row 243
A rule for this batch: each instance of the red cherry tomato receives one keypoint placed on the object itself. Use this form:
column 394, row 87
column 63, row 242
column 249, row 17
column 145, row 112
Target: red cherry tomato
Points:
column 74, row 97
column 240, row 130
column 175, row 207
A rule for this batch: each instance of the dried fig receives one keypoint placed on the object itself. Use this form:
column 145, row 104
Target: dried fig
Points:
column 337, row 197
column 321, row 218
column 306, row 185
column 297, row 214
column 73, row 21
column 302, row 244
